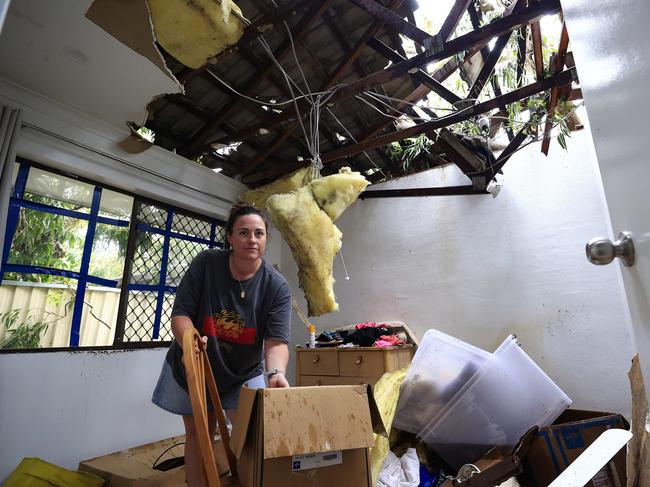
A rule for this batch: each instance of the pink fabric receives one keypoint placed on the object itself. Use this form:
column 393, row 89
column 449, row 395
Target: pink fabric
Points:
column 388, row 341
column 368, row 324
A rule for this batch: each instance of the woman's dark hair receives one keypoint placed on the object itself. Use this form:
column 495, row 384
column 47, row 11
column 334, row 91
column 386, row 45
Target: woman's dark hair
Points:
column 242, row 209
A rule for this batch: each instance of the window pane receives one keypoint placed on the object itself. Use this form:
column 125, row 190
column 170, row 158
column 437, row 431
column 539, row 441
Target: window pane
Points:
column 36, row 315
column 220, row 234
column 181, row 253
column 147, row 258
column 99, row 316
column 191, row 226
column 48, row 240
column 165, row 334
column 115, row 205
column 60, row 191
column 140, row 314
column 153, row 216
column 109, row 249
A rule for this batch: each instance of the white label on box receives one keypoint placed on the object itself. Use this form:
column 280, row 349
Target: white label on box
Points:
column 316, row 460
column 602, row 478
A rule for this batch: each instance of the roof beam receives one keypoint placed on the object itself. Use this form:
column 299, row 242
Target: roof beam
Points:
column 537, row 49
column 391, row 19
column 440, row 75
column 285, row 48
column 454, row 46
column 454, row 16
column 488, row 66
column 563, row 78
column 338, row 73
column 457, row 152
column 419, row 192
column 471, row 41
column 421, row 76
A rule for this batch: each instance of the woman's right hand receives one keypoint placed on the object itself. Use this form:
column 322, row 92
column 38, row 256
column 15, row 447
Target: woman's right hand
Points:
column 204, row 343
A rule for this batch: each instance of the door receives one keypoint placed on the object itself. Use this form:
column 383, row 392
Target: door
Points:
column 610, row 43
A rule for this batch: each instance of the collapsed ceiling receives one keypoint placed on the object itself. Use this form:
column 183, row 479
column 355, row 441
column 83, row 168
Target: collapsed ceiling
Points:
column 361, row 83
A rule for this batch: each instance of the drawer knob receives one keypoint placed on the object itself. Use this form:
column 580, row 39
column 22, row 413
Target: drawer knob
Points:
column 359, row 360
column 316, row 359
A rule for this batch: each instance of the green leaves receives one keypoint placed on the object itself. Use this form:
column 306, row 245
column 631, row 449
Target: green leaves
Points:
column 22, row 334
column 408, row 149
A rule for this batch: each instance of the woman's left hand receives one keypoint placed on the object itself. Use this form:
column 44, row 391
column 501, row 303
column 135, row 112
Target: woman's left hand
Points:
column 278, row 380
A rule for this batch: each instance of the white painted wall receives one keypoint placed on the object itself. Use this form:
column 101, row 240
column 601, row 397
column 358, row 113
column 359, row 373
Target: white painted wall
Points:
column 480, row 268
column 68, row 406
column 52, row 48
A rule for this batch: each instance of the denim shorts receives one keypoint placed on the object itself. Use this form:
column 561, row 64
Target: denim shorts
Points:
column 171, row 397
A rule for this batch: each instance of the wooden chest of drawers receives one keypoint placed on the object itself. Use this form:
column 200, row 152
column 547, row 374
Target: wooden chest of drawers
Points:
column 343, row 366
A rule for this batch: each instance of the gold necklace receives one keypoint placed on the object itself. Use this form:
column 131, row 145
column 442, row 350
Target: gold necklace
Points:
column 243, row 288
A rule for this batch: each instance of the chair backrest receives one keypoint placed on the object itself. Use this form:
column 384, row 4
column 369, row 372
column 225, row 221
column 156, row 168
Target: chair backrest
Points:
column 199, row 375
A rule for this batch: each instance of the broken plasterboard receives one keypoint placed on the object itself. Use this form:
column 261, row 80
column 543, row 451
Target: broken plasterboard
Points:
column 129, row 23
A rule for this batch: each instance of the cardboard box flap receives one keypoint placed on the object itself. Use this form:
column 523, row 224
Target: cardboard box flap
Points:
column 378, row 426
column 579, row 415
column 346, row 425
column 242, row 420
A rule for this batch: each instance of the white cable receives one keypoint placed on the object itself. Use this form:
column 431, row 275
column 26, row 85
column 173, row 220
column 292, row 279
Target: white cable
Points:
column 347, row 276
column 355, row 141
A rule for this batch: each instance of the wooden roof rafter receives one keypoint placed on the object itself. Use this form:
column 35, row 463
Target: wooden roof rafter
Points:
column 468, row 42
column 392, row 20
column 419, row 93
column 562, row 78
column 462, row 43
column 553, row 99
column 253, row 82
column 479, row 179
column 338, row 74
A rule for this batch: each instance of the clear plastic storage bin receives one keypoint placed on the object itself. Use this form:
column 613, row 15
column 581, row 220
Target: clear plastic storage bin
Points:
column 506, row 397
column 440, row 367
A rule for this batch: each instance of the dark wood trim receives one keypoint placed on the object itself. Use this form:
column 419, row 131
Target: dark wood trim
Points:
column 419, row 192
column 391, row 19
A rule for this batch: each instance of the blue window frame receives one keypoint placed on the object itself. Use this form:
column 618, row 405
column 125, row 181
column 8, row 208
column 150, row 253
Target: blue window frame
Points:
column 162, row 241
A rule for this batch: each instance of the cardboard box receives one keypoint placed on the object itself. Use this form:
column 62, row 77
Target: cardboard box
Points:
column 133, row 467
column 305, row 436
column 557, row 446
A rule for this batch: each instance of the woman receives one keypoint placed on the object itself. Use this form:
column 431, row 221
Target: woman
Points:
column 241, row 305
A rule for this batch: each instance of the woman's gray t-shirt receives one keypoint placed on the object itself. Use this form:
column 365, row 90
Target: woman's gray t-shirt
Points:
column 236, row 327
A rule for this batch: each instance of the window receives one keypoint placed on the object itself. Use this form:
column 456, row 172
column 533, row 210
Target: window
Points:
column 85, row 265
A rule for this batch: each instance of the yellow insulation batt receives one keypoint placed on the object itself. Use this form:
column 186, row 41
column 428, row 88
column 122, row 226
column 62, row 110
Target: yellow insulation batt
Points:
column 305, row 220
column 335, row 193
column 193, row 31
column 386, row 392
column 257, row 197
column 314, row 241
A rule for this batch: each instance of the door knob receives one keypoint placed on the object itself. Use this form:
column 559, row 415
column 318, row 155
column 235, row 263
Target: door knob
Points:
column 601, row 251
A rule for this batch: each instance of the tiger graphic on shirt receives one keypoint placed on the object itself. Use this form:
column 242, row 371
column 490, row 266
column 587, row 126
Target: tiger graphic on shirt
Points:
column 229, row 326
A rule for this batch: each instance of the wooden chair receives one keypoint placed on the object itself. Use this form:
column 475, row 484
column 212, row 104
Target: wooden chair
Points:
column 199, row 375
